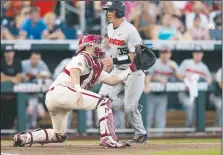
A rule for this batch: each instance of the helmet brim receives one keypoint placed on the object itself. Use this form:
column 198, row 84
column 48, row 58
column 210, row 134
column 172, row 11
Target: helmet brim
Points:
column 107, row 8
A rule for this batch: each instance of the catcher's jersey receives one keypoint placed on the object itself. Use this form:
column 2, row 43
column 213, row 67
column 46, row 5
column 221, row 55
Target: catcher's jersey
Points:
column 122, row 40
column 163, row 70
column 189, row 67
column 86, row 71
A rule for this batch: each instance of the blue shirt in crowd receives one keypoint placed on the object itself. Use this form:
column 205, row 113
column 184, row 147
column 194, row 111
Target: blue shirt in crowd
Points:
column 34, row 31
column 166, row 33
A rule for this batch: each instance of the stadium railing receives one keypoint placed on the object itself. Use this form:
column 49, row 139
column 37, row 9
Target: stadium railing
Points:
column 64, row 45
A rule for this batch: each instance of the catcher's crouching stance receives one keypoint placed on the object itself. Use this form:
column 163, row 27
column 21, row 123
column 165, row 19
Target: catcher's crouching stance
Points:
column 70, row 92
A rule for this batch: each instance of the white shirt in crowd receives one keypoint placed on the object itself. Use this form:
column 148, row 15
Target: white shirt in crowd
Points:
column 190, row 20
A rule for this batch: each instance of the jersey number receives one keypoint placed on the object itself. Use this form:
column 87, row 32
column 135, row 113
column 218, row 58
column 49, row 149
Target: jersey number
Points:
column 123, row 51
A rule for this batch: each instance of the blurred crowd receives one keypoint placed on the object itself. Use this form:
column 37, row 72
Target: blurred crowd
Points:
column 157, row 20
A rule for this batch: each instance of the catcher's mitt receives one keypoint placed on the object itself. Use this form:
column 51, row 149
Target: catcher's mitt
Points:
column 145, row 58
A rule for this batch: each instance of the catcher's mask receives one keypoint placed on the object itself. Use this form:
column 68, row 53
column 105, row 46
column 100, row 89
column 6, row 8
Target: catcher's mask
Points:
column 92, row 40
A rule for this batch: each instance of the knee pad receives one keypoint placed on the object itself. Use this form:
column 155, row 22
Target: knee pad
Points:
column 105, row 100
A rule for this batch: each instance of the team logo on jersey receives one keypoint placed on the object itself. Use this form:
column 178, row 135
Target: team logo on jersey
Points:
column 79, row 64
column 116, row 42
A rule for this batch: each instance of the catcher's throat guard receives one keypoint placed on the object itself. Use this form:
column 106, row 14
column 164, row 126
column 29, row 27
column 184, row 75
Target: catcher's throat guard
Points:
column 145, row 58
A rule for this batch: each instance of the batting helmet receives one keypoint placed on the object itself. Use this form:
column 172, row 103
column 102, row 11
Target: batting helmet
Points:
column 118, row 6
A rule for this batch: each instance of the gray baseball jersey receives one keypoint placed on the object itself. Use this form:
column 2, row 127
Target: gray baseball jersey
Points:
column 189, row 67
column 40, row 68
column 122, row 40
column 164, row 70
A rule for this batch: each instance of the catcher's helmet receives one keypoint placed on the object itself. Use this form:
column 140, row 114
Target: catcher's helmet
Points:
column 118, row 6
column 90, row 39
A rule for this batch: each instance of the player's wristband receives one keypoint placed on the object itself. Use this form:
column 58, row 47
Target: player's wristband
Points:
column 125, row 59
column 123, row 75
column 77, row 87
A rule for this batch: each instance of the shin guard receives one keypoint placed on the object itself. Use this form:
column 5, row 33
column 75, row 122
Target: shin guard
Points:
column 106, row 119
column 41, row 136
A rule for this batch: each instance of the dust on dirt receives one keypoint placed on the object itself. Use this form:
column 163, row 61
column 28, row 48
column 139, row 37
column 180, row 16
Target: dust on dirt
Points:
column 94, row 149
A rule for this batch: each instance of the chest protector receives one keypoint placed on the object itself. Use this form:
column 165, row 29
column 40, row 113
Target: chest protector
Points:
column 96, row 67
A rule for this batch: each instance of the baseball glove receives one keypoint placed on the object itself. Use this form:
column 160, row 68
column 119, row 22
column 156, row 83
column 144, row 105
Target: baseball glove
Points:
column 145, row 58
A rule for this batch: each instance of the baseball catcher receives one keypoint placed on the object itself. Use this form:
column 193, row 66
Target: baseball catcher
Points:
column 70, row 91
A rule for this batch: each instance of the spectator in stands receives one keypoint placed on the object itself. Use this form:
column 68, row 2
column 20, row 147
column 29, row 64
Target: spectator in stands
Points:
column 33, row 27
column 198, row 7
column 53, row 31
column 197, row 32
column 34, row 70
column 11, row 71
column 11, row 31
column 10, row 68
column 163, row 71
column 213, row 5
column 193, row 71
column 217, row 98
column 146, row 19
column 169, row 8
column 25, row 10
column 166, row 31
column 12, row 8
column 216, row 33
column 177, row 14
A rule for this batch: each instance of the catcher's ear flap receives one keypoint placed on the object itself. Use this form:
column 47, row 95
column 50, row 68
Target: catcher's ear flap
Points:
column 149, row 58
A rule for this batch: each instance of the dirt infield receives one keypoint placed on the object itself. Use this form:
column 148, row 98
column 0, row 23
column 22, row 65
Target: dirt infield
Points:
column 91, row 148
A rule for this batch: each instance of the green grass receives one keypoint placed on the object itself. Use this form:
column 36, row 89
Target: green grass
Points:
column 186, row 152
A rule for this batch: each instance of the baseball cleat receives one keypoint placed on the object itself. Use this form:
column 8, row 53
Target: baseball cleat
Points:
column 138, row 139
column 19, row 140
column 108, row 142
